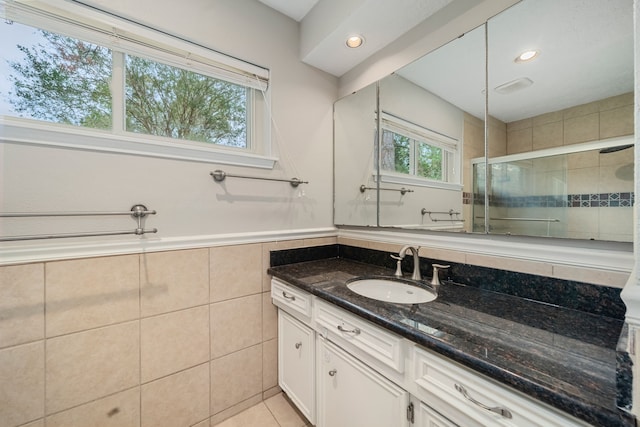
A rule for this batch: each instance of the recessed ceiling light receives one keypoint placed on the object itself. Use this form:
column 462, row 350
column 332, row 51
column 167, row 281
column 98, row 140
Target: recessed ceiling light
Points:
column 527, row 55
column 355, row 41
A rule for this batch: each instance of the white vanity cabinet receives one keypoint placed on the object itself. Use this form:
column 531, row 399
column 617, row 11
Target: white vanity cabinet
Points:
column 473, row 400
column 296, row 346
column 344, row 371
column 425, row 416
column 351, row 394
column 296, row 363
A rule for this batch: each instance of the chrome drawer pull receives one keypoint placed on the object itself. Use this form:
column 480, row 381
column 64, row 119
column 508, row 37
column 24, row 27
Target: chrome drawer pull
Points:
column 354, row 331
column 333, row 373
column 287, row 296
column 298, row 345
column 498, row 410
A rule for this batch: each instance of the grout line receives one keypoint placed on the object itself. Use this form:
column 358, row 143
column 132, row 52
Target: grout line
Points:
column 140, row 260
column 91, row 401
column 210, row 333
column 44, row 328
column 271, row 412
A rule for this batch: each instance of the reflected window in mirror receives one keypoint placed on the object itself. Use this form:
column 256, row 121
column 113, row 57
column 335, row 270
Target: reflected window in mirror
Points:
column 410, row 149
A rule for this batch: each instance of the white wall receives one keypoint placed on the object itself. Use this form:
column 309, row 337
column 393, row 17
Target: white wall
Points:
column 404, row 99
column 188, row 201
column 354, row 163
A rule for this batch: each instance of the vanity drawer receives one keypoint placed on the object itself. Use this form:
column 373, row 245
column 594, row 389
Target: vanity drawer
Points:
column 351, row 331
column 486, row 402
column 292, row 300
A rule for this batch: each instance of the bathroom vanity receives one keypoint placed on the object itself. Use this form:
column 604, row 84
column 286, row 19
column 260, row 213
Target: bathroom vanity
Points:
column 470, row 357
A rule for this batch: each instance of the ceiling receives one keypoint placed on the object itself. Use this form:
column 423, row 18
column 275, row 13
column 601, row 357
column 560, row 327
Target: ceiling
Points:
column 296, row 9
column 325, row 26
column 586, row 54
column 586, row 50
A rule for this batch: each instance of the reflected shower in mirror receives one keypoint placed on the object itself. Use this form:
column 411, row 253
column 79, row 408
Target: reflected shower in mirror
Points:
column 573, row 95
column 542, row 193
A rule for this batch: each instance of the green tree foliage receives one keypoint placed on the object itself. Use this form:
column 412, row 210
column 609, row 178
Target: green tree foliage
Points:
column 396, row 156
column 169, row 101
column 65, row 80
column 429, row 161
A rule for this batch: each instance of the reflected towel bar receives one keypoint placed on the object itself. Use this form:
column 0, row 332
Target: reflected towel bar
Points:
column 450, row 212
column 522, row 219
column 219, row 176
column 402, row 190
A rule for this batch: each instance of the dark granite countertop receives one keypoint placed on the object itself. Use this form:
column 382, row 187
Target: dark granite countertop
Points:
column 563, row 357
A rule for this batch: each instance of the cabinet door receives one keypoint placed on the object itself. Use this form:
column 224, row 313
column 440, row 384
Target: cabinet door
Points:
column 351, row 394
column 296, row 363
column 427, row 417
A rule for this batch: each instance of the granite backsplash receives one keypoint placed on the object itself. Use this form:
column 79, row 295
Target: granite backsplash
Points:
column 594, row 299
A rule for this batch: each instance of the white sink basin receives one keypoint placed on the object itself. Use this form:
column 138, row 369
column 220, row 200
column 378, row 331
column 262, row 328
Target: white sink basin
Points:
column 389, row 290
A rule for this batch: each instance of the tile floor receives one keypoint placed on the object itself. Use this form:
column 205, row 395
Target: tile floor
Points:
column 277, row 411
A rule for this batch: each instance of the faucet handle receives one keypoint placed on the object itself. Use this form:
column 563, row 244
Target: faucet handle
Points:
column 435, row 280
column 398, row 259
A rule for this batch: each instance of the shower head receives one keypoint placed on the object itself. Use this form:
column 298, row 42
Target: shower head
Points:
column 614, row 149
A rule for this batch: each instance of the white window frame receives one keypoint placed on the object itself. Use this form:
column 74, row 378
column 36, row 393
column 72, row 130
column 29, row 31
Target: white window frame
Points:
column 79, row 21
column 419, row 134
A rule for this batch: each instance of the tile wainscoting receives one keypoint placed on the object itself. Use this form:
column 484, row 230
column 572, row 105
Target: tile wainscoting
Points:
column 176, row 338
column 179, row 338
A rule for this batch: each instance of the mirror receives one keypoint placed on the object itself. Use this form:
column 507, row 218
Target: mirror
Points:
column 354, row 133
column 555, row 136
column 561, row 156
column 432, row 126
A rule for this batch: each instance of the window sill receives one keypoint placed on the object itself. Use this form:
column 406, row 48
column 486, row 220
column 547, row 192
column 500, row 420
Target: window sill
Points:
column 417, row 182
column 29, row 132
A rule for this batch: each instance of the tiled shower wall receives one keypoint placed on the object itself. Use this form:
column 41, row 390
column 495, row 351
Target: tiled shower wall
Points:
column 607, row 118
column 178, row 338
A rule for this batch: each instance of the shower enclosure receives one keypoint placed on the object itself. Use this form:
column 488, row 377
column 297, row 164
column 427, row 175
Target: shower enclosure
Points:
column 583, row 192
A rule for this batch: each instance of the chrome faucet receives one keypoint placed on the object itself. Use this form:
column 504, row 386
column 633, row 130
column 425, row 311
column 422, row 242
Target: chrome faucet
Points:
column 416, row 260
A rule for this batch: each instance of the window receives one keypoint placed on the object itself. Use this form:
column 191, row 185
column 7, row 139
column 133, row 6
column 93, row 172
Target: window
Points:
column 176, row 103
column 69, row 67
column 408, row 149
column 55, row 78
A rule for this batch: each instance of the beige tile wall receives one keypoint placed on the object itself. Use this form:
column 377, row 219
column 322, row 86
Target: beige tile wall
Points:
column 178, row 338
column 602, row 119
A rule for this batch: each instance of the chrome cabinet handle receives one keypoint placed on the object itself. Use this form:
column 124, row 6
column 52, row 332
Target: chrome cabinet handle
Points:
column 298, row 345
column 287, row 296
column 333, row 372
column 498, row 410
column 354, row 331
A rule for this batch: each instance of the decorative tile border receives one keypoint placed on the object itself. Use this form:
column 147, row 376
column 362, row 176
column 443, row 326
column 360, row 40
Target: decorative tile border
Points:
column 594, row 200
